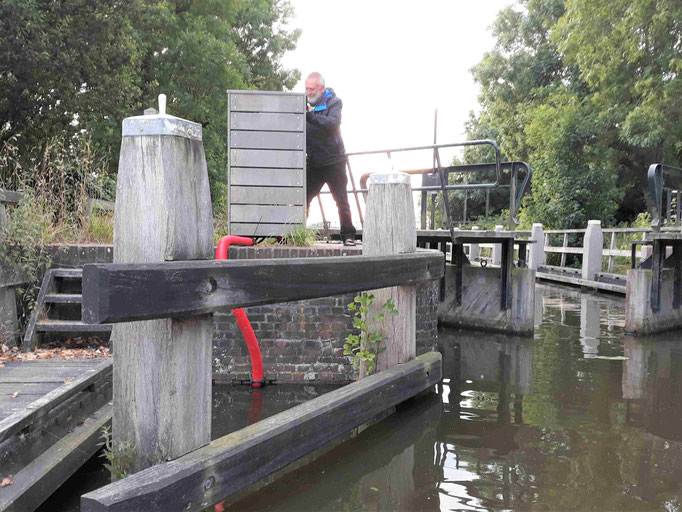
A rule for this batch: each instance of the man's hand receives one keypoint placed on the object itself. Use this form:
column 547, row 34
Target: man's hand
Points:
column 310, row 107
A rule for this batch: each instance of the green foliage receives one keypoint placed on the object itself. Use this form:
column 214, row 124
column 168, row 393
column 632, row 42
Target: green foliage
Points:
column 22, row 243
column 99, row 228
column 74, row 68
column 300, row 237
column 55, row 184
column 587, row 93
column 120, row 459
column 363, row 347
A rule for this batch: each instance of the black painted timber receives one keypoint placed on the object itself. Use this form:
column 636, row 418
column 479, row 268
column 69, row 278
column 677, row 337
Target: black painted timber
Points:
column 233, row 462
column 140, row 291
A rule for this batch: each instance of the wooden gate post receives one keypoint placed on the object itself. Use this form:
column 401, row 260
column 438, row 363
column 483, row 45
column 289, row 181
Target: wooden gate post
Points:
column 162, row 368
column 390, row 229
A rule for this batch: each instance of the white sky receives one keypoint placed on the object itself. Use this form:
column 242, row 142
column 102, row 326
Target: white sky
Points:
column 393, row 63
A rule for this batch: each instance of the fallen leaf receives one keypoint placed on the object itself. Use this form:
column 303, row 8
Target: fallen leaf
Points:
column 4, row 348
column 373, row 489
column 6, row 481
column 15, row 394
column 67, row 380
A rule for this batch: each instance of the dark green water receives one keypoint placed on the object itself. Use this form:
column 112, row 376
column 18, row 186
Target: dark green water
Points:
column 555, row 422
column 559, row 421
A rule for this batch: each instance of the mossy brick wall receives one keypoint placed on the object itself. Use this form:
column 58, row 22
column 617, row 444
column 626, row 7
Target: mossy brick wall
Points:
column 302, row 342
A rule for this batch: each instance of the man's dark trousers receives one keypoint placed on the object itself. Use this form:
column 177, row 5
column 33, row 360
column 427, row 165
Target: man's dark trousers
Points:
column 333, row 175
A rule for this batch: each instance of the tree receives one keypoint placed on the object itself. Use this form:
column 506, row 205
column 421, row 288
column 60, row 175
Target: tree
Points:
column 79, row 67
column 585, row 92
column 65, row 66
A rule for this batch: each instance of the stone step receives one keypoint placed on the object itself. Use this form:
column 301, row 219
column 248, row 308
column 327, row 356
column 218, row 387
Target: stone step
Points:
column 71, row 273
column 70, row 326
column 64, row 298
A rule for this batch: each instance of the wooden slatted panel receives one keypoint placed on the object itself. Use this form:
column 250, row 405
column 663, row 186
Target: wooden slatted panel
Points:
column 250, row 102
column 267, row 196
column 273, row 158
column 266, row 162
column 267, row 140
column 264, row 213
column 273, row 121
column 273, row 177
column 257, row 230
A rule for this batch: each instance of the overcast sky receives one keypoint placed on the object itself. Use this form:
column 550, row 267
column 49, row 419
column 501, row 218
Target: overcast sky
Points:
column 392, row 63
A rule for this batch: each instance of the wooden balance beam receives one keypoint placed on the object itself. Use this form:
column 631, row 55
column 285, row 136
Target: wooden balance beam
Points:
column 128, row 292
column 235, row 461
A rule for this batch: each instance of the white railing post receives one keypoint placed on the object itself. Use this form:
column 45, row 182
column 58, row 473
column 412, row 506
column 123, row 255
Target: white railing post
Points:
column 497, row 248
column 537, row 250
column 593, row 245
column 474, row 249
column 612, row 258
column 563, row 254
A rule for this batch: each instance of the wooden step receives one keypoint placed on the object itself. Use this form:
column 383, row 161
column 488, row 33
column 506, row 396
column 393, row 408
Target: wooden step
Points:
column 64, row 298
column 70, row 326
column 72, row 273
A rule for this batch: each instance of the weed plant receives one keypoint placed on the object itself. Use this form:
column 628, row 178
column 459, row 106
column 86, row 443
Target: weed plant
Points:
column 119, row 460
column 364, row 346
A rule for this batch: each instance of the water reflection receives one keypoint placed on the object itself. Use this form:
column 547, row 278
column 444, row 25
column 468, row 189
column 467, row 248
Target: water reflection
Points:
column 652, row 385
column 555, row 422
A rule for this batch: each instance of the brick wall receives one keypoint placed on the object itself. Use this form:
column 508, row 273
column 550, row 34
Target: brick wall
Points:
column 303, row 341
column 300, row 341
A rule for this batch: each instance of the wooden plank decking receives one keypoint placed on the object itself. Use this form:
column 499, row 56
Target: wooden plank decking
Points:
column 51, row 415
column 32, row 380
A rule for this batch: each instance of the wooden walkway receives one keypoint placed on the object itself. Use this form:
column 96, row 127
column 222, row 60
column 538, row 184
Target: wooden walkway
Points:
column 51, row 415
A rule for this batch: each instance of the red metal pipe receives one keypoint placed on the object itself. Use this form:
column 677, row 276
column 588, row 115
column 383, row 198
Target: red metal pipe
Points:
column 242, row 320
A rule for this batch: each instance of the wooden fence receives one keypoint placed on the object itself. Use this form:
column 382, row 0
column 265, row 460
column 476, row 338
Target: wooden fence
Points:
column 605, row 254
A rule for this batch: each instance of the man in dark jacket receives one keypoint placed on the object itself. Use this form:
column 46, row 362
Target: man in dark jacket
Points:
column 326, row 155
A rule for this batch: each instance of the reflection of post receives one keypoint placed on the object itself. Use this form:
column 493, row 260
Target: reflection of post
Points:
column 390, row 229
column 394, row 482
column 589, row 325
column 634, row 368
column 468, row 356
column 539, row 307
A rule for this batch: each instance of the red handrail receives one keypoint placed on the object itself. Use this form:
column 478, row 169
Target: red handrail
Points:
column 242, row 320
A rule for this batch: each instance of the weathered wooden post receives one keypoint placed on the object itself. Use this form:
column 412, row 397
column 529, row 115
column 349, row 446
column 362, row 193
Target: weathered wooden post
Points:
column 390, row 229
column 162, row 368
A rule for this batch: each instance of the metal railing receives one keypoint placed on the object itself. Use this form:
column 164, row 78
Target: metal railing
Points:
column 441, row 173
column 657, row 175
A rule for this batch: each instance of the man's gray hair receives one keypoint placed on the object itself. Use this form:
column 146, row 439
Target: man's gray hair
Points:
column 320, row 78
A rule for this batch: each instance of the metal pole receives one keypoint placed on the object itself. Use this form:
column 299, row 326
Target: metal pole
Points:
column 355, row 192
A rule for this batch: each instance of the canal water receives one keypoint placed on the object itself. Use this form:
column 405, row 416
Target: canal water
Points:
column 577, row 417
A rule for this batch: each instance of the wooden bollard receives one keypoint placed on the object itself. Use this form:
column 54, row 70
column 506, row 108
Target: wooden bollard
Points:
column 162, row 368
column 389, row 228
